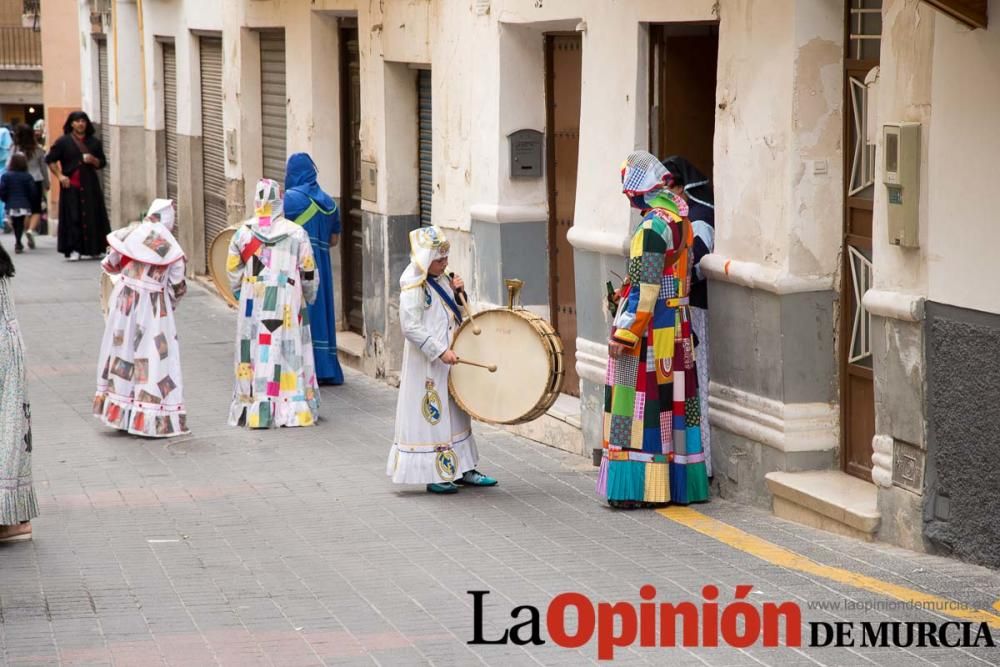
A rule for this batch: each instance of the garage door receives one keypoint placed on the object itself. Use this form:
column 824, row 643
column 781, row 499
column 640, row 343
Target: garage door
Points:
column 170, row 117
column 213, row 143
column 273, row 107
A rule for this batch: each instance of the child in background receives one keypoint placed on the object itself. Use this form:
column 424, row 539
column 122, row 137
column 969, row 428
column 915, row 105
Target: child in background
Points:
column 17, row 191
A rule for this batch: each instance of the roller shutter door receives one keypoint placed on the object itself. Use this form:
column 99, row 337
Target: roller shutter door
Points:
column 105, row 109
column 425, row 154
column 273, row 106
column 170, row 117
column 212, row 137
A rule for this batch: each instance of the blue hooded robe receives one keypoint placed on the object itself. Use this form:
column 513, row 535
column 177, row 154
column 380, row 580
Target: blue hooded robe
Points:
column 306, row 204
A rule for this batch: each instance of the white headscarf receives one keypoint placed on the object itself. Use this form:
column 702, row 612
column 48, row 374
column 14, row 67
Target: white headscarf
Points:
column 150, row 241
column 427, row 244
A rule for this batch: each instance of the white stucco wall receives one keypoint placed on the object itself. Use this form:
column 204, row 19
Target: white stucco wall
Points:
column 904, row 94
column 963, row 233
column 779, row 114
column 163, row 19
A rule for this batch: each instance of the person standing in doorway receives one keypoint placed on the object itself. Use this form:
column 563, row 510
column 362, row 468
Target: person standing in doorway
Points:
column 75, row 159
column 306, row 204
column 18, row 504
column 696, row 190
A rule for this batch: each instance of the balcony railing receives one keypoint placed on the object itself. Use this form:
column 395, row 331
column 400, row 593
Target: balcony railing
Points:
column 20, row 48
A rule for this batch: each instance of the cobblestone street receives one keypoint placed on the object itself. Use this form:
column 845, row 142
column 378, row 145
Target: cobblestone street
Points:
column 291, row 547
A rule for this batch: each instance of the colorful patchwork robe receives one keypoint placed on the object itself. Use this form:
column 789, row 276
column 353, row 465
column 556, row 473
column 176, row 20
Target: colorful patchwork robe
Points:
column 273, row 273
column 652, row 438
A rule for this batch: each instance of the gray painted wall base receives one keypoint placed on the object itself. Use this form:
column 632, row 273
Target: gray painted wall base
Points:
column 901, row 524
column 190, row 206
column 779, row 347
column 129, row 197
column 963, row 433
column 593, row 324
column 511, row 250
column 386, row 253
column 739, row 466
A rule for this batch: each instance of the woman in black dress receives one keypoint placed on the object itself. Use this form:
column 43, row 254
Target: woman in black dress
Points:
column 74, row 159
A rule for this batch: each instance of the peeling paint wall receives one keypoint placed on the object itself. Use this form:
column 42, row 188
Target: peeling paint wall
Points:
column 778, row 150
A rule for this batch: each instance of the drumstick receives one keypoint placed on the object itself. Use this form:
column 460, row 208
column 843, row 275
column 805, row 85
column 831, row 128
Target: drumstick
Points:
column 468, row 311
column 492, row 368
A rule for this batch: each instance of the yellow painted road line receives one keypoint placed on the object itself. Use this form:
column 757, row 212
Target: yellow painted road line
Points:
column 776, row 555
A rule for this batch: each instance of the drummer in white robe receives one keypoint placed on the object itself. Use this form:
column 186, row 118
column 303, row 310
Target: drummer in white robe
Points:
column 434, row 443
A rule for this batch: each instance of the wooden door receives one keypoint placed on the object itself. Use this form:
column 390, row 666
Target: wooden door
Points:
column 684, row 59
column 563, row 58
column 857, row 392
column 352, row 238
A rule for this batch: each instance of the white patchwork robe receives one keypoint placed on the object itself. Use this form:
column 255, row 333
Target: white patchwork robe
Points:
column 433, row 442
column 140, row 387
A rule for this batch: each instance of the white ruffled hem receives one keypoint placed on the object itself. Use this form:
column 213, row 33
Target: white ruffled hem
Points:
column 278, row 414
column 424, row 468
column 146, row 422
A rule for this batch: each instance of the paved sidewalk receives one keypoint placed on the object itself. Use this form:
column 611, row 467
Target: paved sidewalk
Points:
column 291, row 547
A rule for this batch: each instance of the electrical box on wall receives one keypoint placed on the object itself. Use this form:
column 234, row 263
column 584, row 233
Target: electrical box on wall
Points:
column 901, row 148
column 369, row 181
column 526, row 153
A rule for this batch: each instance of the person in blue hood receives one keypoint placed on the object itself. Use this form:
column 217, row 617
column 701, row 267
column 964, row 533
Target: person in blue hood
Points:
column 308, row 205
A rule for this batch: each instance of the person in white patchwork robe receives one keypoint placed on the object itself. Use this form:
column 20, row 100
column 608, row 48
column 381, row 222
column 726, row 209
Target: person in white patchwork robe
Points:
column 272, row 272
column 139, row 385
column 434, row 444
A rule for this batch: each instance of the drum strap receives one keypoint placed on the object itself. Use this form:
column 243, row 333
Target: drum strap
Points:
column 447, row 299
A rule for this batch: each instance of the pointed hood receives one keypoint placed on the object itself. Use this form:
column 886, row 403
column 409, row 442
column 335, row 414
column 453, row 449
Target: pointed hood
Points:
column 302, row 188
column 268, row 222
column 150, row 241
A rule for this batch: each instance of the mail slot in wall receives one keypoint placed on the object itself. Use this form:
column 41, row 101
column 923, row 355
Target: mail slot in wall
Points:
column 526, row 153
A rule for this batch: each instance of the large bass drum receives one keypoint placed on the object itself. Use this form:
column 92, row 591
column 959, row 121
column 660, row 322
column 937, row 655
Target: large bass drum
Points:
column 529, row 359
column 217, row 253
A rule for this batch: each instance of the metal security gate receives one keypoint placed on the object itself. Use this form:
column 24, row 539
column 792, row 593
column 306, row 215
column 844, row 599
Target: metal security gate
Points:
column 213, row 145
column 105, row 109
column 273, row 104
column 863, row 32
column 170, row 117
column 425, row 156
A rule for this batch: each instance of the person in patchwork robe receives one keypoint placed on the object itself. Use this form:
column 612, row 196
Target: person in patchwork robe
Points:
column 434, row 444
column 139, row 385
column 273, row 276
column 652, row 434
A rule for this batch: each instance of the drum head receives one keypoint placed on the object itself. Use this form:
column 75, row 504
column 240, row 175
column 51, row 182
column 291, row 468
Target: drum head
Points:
column 525, row 367
column 217, row 253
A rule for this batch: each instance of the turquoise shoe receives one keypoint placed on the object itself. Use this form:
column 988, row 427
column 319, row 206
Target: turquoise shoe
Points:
column 447, row 487
column 475, row 478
